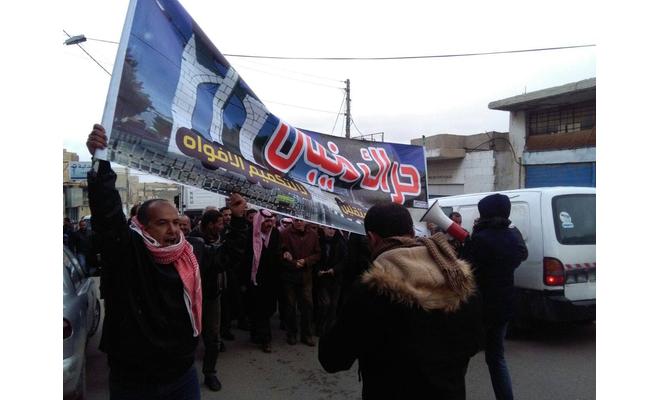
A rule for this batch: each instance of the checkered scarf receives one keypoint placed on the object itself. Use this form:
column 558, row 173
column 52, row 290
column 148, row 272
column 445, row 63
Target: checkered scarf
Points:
column 259, row 241
column 182, row 256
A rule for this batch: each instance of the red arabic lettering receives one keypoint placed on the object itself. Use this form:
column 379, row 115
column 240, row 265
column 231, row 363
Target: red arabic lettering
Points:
column 311, row 176
column 384, row 164
column 368, row 182
column 275, row 157
column 379, row 181
column 328, row 164
column 401, row 189
column 316, row 155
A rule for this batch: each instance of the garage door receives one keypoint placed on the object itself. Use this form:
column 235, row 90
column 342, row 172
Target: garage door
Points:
column 577, row 174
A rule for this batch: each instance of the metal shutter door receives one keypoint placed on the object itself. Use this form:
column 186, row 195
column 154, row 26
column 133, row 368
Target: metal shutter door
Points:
column 579, row 174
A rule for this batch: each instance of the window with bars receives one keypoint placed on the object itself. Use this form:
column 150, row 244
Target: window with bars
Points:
column 564, row 119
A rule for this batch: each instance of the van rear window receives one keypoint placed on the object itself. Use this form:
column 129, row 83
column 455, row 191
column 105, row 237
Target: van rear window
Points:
column 574, row 216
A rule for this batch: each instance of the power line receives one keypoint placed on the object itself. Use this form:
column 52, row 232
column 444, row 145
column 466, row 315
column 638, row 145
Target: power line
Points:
column 357, row 128
column 288, row 77
column 241, row 66
column 394, row 57
column 296, row 72
column 305, row 108
column 90, row 56
column 338, row 115
column 284, row 69
column 165, row 57
column 410, row 57
column 102, row 40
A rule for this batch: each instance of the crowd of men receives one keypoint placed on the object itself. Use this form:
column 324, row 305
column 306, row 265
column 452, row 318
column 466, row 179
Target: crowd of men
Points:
column 412, row 311
column 255, row 263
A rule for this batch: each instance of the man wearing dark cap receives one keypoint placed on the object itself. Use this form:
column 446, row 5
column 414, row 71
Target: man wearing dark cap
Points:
column 413, row 319
column 495, row 250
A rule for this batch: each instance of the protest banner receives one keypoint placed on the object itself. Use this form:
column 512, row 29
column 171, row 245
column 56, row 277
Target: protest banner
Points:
column 177, row 109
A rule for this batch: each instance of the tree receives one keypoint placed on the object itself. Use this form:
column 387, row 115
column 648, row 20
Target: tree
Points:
column 133, row 101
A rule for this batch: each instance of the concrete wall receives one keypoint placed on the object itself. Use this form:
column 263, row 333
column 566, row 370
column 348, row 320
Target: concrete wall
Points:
column 560, row 156
column 506, row 171
column 442, row 141
column 445, row 172
column 517, row 132
column 479, row 171
column 460, row 164
column 445, row 177
column 476, row 172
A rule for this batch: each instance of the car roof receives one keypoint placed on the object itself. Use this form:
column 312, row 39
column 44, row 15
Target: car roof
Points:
column 543, row 190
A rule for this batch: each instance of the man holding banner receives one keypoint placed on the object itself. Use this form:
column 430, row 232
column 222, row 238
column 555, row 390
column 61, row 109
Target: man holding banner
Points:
column 152, row 290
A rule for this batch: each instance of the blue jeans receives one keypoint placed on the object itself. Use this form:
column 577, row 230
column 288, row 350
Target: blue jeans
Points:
column 494, row 354
column 186, row 387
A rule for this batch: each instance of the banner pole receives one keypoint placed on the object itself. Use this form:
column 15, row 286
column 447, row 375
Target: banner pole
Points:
column 113, row 91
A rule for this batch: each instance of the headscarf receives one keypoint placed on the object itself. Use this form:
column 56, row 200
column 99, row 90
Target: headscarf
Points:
column 495, row 205
column 258, row 240
column 182, row 256
column 284, row 220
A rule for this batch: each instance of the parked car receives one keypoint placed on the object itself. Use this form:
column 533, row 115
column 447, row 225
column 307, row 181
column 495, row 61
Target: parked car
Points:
column 82, row 312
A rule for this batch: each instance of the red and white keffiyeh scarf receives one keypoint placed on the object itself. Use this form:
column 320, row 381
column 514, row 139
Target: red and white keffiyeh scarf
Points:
column 182, row 256
column 259, row 240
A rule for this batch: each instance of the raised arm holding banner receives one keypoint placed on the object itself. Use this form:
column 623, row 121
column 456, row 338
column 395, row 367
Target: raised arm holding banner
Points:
column 177, row 109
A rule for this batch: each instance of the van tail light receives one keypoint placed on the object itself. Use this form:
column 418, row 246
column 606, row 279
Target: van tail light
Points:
column 68, row 329
column 553, row 272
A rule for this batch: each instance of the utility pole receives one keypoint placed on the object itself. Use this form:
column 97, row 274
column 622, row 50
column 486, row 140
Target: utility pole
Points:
column 348, row 115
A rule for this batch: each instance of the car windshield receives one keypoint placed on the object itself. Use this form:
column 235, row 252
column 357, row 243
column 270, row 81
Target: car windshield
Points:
column 574, row 216
column 71, row 273
column 66, row 281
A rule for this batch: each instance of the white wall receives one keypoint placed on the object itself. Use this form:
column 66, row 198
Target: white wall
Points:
column 474, row 173
column 587, row 154
column 479, row 173
column 517, row 133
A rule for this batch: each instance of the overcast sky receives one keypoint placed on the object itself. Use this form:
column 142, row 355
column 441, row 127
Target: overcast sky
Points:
column 404, row 99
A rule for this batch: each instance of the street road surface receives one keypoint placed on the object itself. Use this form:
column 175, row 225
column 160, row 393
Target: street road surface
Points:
column 550, row 363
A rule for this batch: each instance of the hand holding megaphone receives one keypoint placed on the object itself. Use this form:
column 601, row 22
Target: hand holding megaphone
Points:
column 435, row 214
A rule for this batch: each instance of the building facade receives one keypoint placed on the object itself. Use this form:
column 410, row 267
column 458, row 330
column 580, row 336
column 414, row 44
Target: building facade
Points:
column 74, row 193
column 460, row 164
column 554, row 133
column 131, row 190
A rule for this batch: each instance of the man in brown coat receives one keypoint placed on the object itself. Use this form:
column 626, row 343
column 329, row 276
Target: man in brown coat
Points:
column 412, row 320
column 301, row 250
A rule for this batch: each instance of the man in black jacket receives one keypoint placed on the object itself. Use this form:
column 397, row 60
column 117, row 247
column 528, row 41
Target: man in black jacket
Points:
column 356, row 263
column 152, row 291
column 329, row 272
column 495, row 250
column 259, row 264
column 210, row 254
column 413, row 322
column 80, row 243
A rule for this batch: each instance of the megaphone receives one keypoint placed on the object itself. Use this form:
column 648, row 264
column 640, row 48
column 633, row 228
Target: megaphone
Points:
column 436, row 215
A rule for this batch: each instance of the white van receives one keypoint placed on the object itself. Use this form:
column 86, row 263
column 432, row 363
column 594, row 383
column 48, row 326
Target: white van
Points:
column 558, row 280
